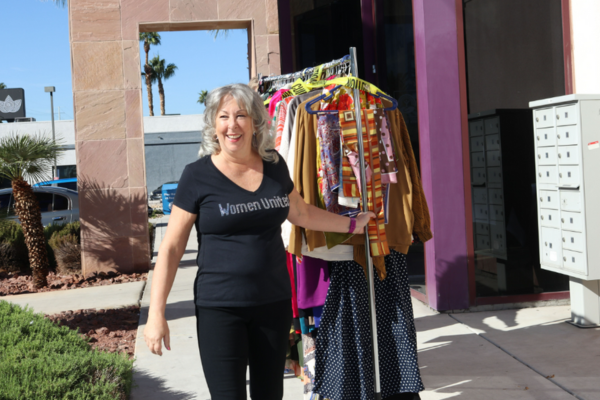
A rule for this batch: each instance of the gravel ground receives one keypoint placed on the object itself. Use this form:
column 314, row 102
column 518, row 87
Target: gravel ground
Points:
column 11, row 284
column 113, row 330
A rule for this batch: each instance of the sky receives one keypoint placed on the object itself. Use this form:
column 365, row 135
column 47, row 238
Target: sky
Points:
column 36, row 53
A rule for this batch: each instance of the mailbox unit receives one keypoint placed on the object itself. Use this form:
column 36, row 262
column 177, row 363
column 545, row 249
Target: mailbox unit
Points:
column 567, row 159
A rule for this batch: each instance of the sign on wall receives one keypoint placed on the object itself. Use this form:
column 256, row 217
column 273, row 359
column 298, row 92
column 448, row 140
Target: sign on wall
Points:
column 12, row 104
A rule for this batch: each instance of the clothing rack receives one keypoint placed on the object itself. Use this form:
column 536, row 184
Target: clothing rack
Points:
column 363, row 182
column 304, row 72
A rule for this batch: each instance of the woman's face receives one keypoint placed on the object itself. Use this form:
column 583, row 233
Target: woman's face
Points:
column 234, row 128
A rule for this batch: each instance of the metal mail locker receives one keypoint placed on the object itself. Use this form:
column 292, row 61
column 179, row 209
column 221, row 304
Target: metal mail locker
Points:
column 573, row 122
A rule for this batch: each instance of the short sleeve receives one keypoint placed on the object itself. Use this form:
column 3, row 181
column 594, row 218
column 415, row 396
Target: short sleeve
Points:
column 186, row 196
column 284, row 173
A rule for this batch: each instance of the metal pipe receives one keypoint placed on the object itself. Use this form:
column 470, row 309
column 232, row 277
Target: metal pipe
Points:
column 368, row 260
column 55, row 173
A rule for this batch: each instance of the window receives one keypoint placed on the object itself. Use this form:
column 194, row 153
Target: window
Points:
column 67, row 171
column 45, row 201
column 4, row 200
column 60, row 203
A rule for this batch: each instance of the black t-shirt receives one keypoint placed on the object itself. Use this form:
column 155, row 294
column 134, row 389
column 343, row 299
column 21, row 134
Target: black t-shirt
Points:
column 241, row 258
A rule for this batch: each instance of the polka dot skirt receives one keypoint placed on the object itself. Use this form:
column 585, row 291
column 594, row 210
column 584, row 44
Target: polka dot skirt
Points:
column 344, row 364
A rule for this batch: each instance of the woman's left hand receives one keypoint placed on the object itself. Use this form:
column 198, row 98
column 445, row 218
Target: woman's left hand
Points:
column 362, row 220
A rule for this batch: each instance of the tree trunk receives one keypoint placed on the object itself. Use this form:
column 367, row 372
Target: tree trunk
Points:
column 148, row 71
column 146, row 50
column 161, row 93
column 27, row 209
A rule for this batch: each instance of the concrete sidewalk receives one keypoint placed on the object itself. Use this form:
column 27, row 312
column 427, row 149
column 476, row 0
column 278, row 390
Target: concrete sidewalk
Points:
column 523, row 354
column 98, row 297
column 529, row 353
column 511, row 354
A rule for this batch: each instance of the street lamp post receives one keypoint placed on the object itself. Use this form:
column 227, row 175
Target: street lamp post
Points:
column 52, row 89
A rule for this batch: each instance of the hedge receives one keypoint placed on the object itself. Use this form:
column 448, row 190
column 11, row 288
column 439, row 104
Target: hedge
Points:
column 42, row 360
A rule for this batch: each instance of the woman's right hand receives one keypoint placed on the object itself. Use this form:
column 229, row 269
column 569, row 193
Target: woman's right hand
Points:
column 155, row 332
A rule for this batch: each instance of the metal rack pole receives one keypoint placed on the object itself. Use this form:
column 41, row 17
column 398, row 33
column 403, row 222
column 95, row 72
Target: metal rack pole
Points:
column 369, row 261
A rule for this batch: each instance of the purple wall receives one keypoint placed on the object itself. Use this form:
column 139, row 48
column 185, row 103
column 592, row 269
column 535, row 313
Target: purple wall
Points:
column 440, row 137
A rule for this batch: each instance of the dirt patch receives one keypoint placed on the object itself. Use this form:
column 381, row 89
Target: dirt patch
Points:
column 112, row 330
column 11, row 284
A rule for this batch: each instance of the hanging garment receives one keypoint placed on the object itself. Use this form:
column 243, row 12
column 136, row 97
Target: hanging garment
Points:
column 376, row 226
column 343, row 357
column 292, row 272
column 288, row 152
column 313, row 282
column 308, row 344
column 408, row 211
column 389, row 169
column 281, row 115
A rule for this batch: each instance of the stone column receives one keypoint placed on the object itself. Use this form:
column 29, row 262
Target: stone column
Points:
column 109, row 138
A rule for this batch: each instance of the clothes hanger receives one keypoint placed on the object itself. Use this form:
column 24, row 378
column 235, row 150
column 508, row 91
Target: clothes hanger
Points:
column 329, row 95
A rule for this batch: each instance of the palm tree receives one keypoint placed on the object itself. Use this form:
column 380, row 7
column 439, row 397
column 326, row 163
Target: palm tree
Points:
column 161, row 72
column 202, row 96
column 59, row 3
column 149, row 39
column 2, row 85
column 29, row 157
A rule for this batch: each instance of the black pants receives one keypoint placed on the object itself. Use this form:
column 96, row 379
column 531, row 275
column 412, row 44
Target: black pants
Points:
column 230, row 338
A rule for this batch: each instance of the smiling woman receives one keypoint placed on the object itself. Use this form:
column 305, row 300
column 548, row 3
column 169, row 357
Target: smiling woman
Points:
column 237, row 195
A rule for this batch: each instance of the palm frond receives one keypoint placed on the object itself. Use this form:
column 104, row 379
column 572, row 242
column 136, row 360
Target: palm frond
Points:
column 159, row 71
column 202, row 96
column 28, row 156
column 152, row 38
column 217, row 32
column 170, row 71
column 59, row 3
column 2, row 85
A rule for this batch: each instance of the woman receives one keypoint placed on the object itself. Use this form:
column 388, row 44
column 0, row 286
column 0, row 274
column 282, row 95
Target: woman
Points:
column 237, row 194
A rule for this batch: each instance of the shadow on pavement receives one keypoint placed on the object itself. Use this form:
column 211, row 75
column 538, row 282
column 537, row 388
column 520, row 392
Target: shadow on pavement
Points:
column 180, row 309
column 153, row 387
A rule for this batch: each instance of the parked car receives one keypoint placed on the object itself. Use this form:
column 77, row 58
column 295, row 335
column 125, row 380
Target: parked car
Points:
column 157, row 193
column 68, row 183
column 58, row 205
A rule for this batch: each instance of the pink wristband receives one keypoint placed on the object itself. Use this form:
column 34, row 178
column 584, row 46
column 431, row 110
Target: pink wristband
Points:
column 352, row 225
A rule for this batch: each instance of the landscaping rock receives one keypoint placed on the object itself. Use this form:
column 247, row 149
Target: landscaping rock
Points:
column 118, row 327
column 11, row 284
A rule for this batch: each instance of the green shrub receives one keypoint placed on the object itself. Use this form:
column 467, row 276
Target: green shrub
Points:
column 48, row 232
column 14, row 256
column 66, row 245
column 41, row 360
column 72, row 230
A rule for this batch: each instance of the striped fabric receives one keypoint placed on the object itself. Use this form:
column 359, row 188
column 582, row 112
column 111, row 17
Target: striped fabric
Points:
column 279, row 120
column 376, row 227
